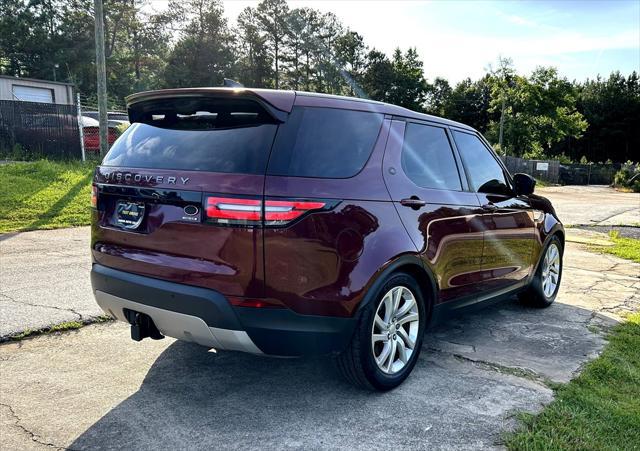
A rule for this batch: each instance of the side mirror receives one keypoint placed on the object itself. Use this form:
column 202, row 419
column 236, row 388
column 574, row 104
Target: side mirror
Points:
column 524, row 184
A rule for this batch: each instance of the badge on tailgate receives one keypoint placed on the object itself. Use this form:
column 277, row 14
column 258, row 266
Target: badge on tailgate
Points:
column 129, row 215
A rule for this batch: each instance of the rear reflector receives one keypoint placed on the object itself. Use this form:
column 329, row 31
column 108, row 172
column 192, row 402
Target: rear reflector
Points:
column 256, row 303
column 244, row 211
column 94, row 196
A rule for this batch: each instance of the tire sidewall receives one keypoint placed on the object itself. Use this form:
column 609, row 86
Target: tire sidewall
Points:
column 377, row 378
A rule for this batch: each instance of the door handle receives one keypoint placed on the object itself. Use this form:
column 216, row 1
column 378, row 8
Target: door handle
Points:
column 413, row 202
column 489, row 207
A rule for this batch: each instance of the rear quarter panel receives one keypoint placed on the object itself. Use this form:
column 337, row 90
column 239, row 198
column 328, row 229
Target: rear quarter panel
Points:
column 323, row 264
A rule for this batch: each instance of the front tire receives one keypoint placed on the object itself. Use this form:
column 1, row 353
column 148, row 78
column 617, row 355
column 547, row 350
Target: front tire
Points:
column 388, row 338
column 546, row 282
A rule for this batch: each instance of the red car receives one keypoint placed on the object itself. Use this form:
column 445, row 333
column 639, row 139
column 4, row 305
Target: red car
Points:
column 91, row 134
column 290, row 223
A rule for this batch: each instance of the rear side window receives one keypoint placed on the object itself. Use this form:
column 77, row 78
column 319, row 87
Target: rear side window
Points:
column 324, row 142
column 198, row 134
column 427, row 158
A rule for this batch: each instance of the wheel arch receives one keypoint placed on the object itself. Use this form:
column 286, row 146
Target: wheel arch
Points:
column 411, row 265
column 556, row 231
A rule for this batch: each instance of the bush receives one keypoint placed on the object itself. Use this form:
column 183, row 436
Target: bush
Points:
column 628, row 177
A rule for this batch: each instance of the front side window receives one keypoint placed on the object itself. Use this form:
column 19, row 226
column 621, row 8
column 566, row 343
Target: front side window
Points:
column 485, row 173
column 427, row 158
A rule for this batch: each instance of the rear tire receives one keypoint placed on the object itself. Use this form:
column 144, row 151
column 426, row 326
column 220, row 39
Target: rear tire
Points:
column 543, row 289
column 388, row 338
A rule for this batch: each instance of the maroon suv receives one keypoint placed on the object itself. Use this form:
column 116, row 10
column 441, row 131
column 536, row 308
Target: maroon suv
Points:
column 290, row 223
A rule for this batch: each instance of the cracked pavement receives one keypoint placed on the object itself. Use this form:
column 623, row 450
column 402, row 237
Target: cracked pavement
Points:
column 44, row 279
column 95, row 388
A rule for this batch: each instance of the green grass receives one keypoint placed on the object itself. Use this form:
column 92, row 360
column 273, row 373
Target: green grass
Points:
column 44, row 195
column 60, row 327
column 600, row 409
column 628, row 248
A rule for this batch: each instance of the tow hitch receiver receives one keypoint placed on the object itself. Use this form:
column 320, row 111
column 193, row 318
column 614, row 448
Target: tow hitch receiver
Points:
column 142, row 326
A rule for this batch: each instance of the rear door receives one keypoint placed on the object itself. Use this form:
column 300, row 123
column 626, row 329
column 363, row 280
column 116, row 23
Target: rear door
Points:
column 180, row 193
column 443, row 219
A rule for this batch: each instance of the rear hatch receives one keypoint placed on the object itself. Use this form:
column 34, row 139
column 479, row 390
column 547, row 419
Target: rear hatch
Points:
column 180, row 194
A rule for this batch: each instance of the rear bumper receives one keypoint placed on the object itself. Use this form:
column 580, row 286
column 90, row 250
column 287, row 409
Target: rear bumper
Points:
column 206, row 317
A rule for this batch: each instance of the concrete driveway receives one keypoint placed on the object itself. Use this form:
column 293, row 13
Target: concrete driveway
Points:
column 44, row 279
column 590, row 205
column 94, row 388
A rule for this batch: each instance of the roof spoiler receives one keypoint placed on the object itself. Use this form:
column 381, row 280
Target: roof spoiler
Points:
column 277, row 103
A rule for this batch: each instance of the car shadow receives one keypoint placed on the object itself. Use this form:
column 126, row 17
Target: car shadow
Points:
column 194, row 399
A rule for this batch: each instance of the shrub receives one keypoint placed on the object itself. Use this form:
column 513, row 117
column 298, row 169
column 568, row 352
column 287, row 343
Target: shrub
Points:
column 628, row 177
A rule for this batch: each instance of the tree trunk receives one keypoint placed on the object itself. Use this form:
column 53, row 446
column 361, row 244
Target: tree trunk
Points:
column 276, row 58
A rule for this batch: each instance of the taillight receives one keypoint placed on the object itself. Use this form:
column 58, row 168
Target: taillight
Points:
column 279, row 212
column 231, row 210
column 94, row 196
column 271, row 212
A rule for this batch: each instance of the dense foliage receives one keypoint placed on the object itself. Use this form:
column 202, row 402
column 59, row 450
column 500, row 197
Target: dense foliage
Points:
column 190, row 43
column 628, row 177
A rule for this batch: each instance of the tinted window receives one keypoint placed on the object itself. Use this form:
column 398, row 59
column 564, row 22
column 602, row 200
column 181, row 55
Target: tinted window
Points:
column 324, row 142
column 196, row 134
column 427, row 158
column 486, row 174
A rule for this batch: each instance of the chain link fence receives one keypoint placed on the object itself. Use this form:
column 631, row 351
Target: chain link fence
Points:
column 30, row 130
column 552, row 171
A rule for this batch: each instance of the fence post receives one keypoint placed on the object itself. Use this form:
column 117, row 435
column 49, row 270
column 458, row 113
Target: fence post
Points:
column 80, row 129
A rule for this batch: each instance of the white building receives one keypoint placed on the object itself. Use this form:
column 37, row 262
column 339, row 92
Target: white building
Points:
column 32, row 90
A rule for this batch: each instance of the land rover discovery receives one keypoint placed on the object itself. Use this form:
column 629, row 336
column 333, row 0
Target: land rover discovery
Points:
column 290, row 223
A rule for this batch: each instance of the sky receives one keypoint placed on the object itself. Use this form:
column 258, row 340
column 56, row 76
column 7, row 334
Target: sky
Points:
column 461, row 38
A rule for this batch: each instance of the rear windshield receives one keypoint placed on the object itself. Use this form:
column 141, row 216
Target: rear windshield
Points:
column 324, row 142
column 198, row 134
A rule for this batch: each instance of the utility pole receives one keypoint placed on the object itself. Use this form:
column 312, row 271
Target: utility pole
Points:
column 102, row 76
column 501, row 125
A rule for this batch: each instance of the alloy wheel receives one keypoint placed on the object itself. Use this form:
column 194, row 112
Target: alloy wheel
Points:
column 551, row 270
column 395, row 330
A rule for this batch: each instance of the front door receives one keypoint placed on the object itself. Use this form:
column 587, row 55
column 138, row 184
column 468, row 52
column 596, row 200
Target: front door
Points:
column 444, row 220
column 509, row 224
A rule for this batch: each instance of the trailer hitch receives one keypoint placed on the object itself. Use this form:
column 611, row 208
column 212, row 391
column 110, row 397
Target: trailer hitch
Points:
column 142, row 326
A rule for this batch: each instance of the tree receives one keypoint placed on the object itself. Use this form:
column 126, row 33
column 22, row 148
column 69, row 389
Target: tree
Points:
column 378, row 77
column 469, row 103
column 612, row 109
column 438, row 94
column 254, row 64
column 203, row 55
column 294, row 44
column 399, row 81
column 409, row 88
column 539, row 112
column 329, row 78
column 311, row 20
column 350, row 53
column 272, row 16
